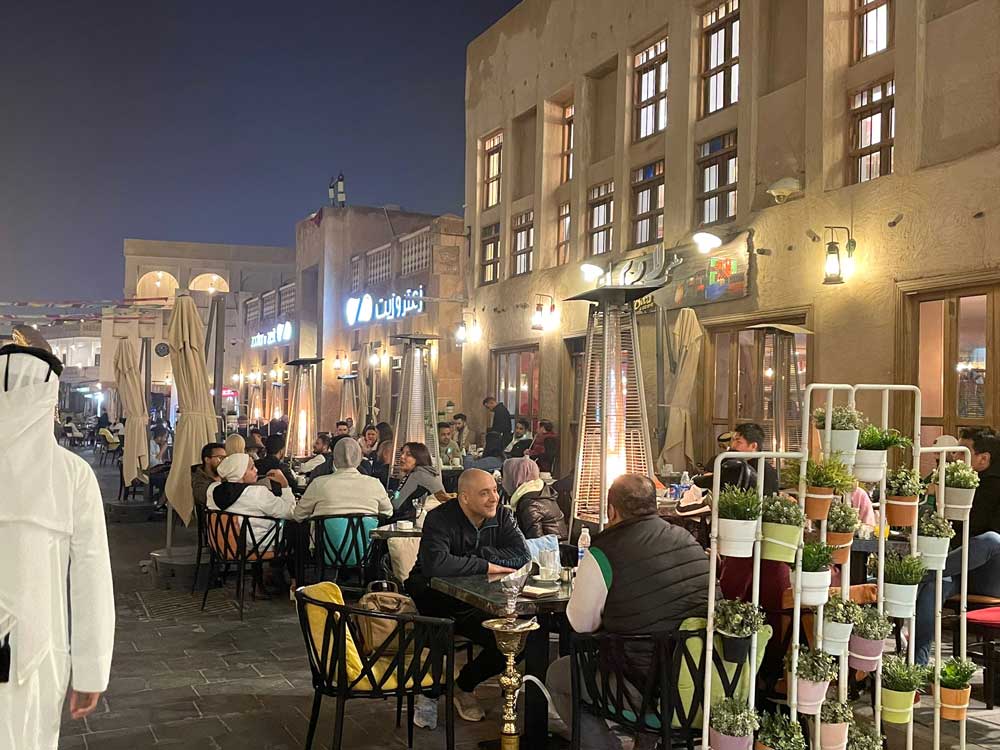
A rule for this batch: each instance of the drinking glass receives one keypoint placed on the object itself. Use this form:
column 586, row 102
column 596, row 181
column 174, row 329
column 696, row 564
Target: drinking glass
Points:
column 548, row 564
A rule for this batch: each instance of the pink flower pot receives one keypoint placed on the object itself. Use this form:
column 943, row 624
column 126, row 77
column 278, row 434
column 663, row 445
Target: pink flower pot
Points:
column 864, row 654
column 810, row 696
column 725, row 742
column 834, row 736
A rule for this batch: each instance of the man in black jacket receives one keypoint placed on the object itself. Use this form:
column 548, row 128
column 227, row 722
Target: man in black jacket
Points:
column 641, row 576
column 501, row 419
column 473, row 535
column 274, row 449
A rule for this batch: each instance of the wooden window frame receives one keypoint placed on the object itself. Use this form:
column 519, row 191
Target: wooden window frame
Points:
column 489, row 266
column 602, row 194
column 860, row 10
column 492, row 145
column 730, row 61
column 522, row 256
column 721, row 159
column 886, row 106
column 503, row 355
column 657, row 192
column 564, row 226
column 568, row 142
column 649, row 60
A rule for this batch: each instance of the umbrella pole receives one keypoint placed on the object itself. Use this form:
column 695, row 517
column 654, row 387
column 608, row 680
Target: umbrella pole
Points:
column 170, row 526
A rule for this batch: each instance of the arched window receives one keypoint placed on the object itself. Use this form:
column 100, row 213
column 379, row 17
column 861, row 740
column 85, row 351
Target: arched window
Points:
column 156, row 284
column 208, row 282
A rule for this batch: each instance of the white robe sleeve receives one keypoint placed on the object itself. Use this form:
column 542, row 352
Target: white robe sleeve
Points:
column 92, row 599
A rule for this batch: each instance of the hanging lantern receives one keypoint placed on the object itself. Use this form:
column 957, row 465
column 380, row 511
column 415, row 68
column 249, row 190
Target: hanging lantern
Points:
column 302, row 417
column 416, row 417
column 614, row 431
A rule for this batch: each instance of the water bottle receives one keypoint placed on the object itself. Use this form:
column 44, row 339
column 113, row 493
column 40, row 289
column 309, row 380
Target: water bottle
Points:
column 685, row 483
column 583, row 544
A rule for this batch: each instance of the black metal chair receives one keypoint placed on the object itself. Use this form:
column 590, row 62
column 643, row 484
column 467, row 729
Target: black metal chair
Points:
column 126, row 492
column 418, row 657
column 604, row 684
column 199, row 511
column 342, row 542
column 233, row 541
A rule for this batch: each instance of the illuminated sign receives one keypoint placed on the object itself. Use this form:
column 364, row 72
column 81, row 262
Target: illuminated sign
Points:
column 280, row 334
column 365, row 309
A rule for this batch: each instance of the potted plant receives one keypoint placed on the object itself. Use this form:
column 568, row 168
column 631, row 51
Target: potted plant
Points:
column 778, row 732
column 738, row 514
column 737, row 622
column 816, row 560
column 960, row 481
column 934, row 535
column 900, row 683
column 836, row 718
column 902, row 489
column 813, row 673
column 824, row 479
column 903, row 573
column 841, row 523
column 845, row 423
column 731, row 725
column 839, row 616
column 868, row 639
column 783, row 520
column 863, row 736
column 873, row 447
column 955, row 687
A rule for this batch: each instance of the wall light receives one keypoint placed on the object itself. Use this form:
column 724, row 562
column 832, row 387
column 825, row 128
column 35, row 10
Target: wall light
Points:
column 591, row 272
column 706, row 241
column 835, row 271
column 544, row 318
column 385, row 358
column 475, row 332
column 461, row 333
column 373, row 359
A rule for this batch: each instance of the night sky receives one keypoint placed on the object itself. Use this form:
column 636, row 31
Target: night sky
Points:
column 216, row 121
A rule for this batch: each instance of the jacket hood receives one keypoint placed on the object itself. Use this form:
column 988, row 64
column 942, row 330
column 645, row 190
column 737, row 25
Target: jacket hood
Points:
column 535, row 485
column 227, row 493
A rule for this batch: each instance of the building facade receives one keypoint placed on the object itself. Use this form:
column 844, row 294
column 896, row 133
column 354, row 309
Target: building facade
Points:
column 365, row 275
column 602, row 132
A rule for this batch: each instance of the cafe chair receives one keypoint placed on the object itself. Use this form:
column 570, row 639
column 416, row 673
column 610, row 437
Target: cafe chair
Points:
column 233, row 542
column 342, row 543
column 416, row 657
column 199, row 511
column 126, row 492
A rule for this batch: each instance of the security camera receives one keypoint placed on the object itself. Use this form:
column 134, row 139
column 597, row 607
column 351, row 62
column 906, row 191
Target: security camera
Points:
column 784, row 189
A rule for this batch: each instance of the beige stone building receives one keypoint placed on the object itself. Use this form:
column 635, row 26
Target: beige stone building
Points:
column 600, row 131
column 367, row 274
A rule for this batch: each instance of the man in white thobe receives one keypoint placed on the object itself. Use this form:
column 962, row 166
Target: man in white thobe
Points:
column 57, row 611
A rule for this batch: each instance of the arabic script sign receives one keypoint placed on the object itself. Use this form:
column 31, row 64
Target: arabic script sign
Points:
column 280, row 334
column 365, row 309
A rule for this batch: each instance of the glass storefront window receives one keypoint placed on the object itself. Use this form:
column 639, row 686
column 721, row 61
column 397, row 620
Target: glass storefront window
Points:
column 931, row 367
column 970, row 366
column 517, row 378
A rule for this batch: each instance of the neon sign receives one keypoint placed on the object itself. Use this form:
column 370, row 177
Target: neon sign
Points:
column 365, row 309
column 280, row 334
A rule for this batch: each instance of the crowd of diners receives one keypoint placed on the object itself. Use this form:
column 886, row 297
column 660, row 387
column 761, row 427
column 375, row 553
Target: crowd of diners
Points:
column 505, row 497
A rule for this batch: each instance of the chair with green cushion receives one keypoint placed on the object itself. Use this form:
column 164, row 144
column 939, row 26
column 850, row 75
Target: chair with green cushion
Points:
column 342, row 543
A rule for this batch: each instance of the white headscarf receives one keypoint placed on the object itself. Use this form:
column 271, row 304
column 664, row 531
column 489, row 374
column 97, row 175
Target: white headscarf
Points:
column 346, row 454
column 234, row 467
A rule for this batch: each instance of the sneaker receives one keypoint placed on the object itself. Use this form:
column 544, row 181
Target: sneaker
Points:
column 425, row 712
column 467, row 706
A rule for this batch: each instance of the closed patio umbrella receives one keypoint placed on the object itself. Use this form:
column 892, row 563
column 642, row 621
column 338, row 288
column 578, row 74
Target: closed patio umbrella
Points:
column 197, row 423
column 685, row 339
column 128, row 383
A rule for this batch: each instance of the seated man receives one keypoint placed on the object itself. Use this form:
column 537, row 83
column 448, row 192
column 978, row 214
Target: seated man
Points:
column 203, row 475
column 341, row 428
column 642, row 575
column 321, row 446
column 461, row 432
column 474, row 535
column 347, row 490
column 324, row 443
column 521, row 441
column 274, row 455
column 746, row 438
column 237, row 492
column 159, row 466
column 449, row 448
column 984, row 544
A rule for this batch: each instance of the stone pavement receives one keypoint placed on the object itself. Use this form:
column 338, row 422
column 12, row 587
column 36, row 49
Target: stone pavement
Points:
column 190, row 679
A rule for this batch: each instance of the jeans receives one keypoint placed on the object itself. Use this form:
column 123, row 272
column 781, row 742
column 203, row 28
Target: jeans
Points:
column 984, row 579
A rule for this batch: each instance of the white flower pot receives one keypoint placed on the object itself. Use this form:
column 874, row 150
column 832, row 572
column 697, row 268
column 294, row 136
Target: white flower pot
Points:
column 843, row 444
column 869, row 466
column 900, row 600
column 815, row 588
column 957, row 503
column 836, row 636
column 736, row 538
column 933, row 551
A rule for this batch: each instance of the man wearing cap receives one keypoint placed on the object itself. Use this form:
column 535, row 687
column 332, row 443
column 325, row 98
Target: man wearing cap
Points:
column 57, row 608
column 238, row 493
column 345, row 491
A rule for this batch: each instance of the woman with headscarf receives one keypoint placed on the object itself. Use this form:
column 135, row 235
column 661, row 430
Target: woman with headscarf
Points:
column 533, row 503
column 57, row 608
column 238, row 493
column 492, row 458
column 345, row 491
column 421, row 479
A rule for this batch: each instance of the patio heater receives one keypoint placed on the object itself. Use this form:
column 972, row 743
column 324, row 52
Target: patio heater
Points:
column 614, row 431
column 275, row 398
column 416, row 416
column 255, row 407
column 352, row 405
column 302, row 408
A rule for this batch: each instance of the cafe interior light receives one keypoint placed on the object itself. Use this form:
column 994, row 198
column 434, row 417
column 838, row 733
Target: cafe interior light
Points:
column 706, row 241
column 373, row 359
column 235, row 378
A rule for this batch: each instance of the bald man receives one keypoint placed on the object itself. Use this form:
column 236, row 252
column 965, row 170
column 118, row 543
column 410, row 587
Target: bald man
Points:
column 472, row 535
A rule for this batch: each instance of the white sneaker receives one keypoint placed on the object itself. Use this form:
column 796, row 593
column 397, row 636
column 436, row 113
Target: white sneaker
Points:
column 425, row 712
column 467, row 706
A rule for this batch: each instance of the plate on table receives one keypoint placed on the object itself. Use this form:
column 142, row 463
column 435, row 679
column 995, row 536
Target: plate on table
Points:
column 538, row 580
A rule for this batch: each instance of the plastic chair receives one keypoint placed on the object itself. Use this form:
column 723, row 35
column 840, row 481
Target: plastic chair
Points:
column 417, row 658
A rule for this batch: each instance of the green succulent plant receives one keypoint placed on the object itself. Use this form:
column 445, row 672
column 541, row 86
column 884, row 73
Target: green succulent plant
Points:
column 842, row 610
column 832, row 473
column 899, row 675
column 738, row 618
column 872, row 438
column 841, row 418
column 863, row 736
column 836, row 712
column 782, row 510
column 815, row 665
column 957, row 474
column 778, row 732
column 956, row 674
column 903, row 570
column 816, row 557
column 733, row 717
column 872, row 624
column 933, row 525
column 843, row 518
column 739, row 505
column 903, row 483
